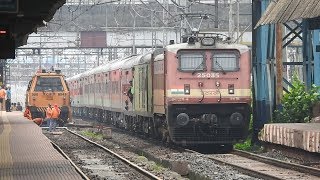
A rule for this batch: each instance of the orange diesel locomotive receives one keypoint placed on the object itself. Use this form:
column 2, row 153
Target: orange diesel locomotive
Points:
column 48, row 87
column 191, row 93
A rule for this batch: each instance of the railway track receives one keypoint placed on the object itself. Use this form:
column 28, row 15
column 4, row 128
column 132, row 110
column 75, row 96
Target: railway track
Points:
column 126, row 169
column 70, row 160
column 263, row 167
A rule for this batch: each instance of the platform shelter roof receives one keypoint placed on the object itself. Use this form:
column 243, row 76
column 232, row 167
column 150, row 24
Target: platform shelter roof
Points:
column 281, row 11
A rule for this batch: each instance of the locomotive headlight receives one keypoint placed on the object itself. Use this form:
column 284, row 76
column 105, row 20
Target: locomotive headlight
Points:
column 207, row 41
column 236, row 119
column 187, row 89
column 218, row 84
column 231, row 88
column 182, row 119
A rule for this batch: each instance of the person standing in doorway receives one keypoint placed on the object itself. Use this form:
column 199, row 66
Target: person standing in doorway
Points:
column 8, row 99
column 130, row 92
column 2, row 97
column 54, row 118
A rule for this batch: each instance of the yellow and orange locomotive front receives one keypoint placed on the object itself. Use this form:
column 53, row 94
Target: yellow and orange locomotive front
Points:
column 48, row 88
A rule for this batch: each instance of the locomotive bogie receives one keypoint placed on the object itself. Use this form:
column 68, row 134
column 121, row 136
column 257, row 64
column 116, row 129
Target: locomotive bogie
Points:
column 207, row 123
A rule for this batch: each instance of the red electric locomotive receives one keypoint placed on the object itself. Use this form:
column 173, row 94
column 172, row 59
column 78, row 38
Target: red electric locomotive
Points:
column 207, row 92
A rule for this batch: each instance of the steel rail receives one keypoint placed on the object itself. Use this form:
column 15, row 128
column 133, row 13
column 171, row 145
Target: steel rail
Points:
column 248, row 171
column 134, row 166
column 241, row 169
column 72, row 163
column 275, row 162
column 266, row 160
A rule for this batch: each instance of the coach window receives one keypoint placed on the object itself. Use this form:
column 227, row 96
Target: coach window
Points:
column 225, row 61
column 191, row 61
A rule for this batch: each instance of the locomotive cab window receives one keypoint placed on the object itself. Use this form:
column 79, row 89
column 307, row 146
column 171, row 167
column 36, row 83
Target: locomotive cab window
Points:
column 191, row 61
column 225, row 61
column 49, row 84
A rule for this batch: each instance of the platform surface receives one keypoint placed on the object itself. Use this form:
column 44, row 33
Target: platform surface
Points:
column 26, row 153
column 304, row 136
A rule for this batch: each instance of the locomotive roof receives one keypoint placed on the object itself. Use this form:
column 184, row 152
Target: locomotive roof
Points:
column 219, row 45
column 48, row 74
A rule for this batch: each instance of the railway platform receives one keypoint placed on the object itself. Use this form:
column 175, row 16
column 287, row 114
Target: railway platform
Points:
column 305, row 136
column 26, row 153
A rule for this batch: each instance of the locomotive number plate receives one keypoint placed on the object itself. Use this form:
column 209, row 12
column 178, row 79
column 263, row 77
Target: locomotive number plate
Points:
column 49, row 98
column 208, row 75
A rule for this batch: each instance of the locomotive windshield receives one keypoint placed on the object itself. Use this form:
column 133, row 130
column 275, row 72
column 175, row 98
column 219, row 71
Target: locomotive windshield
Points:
column 49, row 84
column 225, row 62
column 192, row 61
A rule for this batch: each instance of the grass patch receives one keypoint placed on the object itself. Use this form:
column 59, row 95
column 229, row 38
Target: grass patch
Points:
column 247, row 146
column 142, row 159
column 157, row 168
column 151, row 166
column 92, row 134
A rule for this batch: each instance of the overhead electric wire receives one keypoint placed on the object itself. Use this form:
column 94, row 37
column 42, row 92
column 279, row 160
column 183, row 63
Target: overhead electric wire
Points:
column 80, row 14
column 198, row 2
column 114, row 16
column 137, row 12
column 72, row 11
column 164, row 8
column 153, row 11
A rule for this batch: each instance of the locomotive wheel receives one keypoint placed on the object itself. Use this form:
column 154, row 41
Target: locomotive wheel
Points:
column 226, row 148
column 145, row 126
column 157, row 128
column 220, row 148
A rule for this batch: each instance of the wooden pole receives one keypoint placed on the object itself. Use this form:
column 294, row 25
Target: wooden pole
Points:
column 279, row 64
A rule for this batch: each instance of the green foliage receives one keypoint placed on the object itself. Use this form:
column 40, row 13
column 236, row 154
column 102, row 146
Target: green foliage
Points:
column 92, row 134
column 245, row 146
column 157, row 168
column 142, row 159
column 297, row 105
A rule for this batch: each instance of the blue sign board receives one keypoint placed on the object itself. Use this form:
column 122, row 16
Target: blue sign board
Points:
column 9, row 6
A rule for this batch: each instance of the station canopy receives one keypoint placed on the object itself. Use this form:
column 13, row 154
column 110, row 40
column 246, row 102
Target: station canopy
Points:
column 281, row 11
column 23, row 17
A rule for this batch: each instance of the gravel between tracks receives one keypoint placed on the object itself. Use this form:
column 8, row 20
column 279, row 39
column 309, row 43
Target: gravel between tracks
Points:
column 93, row 161
column 190, row 165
